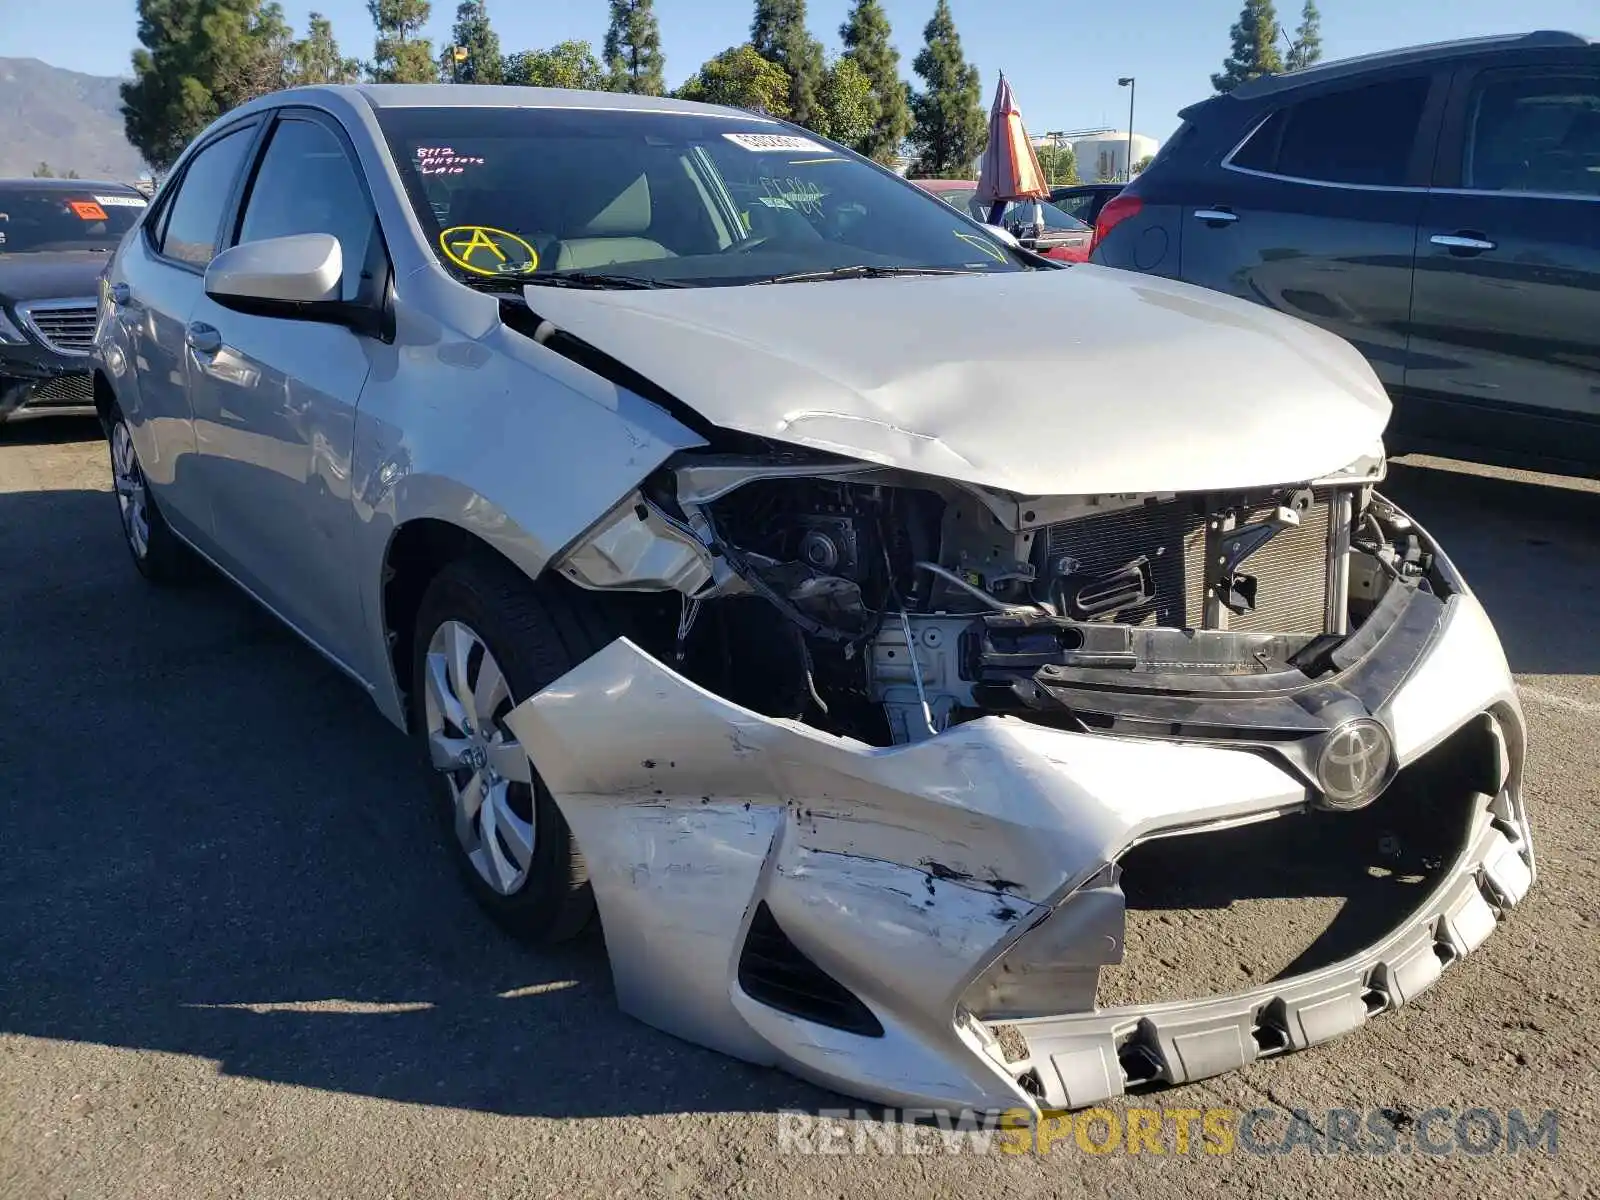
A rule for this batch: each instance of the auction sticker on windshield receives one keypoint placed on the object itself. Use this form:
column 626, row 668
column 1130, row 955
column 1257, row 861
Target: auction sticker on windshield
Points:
column 781, row 142
column 87, row 210
column 121, row 201
column 484, row 250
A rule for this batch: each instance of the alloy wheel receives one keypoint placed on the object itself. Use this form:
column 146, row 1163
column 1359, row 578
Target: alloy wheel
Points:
column 489, row 776
column 132, row 496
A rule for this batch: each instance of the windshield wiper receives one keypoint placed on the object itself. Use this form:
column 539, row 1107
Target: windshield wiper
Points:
column 865, row 271
column 593, row 279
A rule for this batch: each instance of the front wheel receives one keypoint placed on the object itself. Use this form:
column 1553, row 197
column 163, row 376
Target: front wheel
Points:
column 486, row 639
column 157, row 552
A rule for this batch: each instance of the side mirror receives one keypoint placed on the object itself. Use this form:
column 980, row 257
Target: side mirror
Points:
column 270, row 275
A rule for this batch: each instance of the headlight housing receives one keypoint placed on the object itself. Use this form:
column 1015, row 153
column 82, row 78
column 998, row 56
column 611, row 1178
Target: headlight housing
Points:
column 10, row 334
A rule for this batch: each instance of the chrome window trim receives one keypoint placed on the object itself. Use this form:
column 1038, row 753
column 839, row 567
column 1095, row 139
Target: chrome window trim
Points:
column 1511, row 193
column 1228, row 165
column 26, row 309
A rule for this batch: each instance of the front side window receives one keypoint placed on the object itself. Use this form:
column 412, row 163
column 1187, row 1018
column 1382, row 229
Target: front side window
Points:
column 194, row 213
column 306, row 184
column 35, row 220
column 1361, row 136
column 1534, row 133
column 674, row 198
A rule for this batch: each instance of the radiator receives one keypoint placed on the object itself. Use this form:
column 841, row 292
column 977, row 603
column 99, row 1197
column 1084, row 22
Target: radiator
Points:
column 1291, row 569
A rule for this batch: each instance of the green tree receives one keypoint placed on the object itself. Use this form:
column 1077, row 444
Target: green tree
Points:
column 779, row 34
column 196, row 61
column 845, row 102
column 1255, row 50
column 1059, row 164
column 865, row 34
column 472, row 33
column 567, row 64
column 1307, row 45
column 399, row 55
column 742, row 78
column 950, row 129
column 43, row 171
column 315, row 58
column 1143, row 163
column 633, row 49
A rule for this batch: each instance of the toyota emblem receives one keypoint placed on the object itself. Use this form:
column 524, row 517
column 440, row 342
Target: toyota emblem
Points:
column 1353, row 766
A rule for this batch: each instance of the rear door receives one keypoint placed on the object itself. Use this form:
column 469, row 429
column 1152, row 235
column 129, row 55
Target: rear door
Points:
column 1505, row 354
column 1315, row 212
column 161, row 277
column 275, row 396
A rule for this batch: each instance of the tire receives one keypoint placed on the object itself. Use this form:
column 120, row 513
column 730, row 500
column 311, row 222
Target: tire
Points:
column 157, row 553
column 534, row 636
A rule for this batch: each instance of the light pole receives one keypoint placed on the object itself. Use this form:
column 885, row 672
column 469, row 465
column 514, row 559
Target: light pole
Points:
column 1128, row 82
column 1055, row 137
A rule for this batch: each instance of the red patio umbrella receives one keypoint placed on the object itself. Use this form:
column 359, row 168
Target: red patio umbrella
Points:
column 1010, row 168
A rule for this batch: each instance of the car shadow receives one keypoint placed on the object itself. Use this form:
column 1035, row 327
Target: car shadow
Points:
column 1529, row 547
column 217, row 847
column 49, row 430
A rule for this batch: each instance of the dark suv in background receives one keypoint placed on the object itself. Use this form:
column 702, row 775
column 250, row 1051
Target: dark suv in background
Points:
column 1439, row 207
column 56, row 236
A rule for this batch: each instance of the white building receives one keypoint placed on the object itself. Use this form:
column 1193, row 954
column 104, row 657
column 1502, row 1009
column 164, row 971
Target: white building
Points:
column 1103, row 153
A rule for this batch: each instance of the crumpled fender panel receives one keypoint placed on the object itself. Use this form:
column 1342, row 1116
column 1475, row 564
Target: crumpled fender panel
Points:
column 903, row 871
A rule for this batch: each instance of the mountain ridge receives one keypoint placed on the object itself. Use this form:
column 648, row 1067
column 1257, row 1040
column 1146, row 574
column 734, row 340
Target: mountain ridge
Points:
column 68, row 119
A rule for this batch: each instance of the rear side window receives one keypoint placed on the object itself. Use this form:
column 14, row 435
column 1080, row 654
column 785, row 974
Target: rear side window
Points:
column 306, row 184
column 1362, row 136
column 1534, row 133
column 194, row 213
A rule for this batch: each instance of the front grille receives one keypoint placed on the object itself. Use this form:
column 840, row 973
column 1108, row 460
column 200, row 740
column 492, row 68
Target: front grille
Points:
column 65, row 326
column 64, row 391
column 1290, row 570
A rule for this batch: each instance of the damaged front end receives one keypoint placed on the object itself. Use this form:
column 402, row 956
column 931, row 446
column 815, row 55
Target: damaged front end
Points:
column 862, row 800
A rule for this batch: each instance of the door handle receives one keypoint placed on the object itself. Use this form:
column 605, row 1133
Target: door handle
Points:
column 203, row 338
column 1466, row 240
column 120, row 294
column 1216, row 216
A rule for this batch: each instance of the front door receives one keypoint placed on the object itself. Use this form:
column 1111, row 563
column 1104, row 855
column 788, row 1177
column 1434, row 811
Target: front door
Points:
column 1316, row 213
column 275, row 398
column 1505, row 356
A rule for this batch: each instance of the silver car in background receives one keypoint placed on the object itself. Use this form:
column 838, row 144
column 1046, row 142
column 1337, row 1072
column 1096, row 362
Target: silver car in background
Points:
column 659, row 469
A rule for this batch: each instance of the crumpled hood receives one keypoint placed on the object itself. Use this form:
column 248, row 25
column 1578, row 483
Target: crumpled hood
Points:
column 1072, row 382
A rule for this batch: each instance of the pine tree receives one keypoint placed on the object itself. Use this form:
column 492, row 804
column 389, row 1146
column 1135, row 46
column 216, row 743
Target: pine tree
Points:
column 472, row 33
column 399, row 55
column 195, row 62
column 315, row 58
column 778, row 33
column 633, row 49
column 741, row 78
column 1307, row 46
column 865, row 34
column 950, row 128
column 1255, row 50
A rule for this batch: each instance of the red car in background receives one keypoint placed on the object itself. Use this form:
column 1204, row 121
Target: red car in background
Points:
column 1065, row 238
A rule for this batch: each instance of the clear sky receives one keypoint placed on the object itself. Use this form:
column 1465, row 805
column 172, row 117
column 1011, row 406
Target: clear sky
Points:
column 1063, row 61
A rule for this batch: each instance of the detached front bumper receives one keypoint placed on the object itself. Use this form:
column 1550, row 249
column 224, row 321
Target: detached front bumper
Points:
column 875, row 919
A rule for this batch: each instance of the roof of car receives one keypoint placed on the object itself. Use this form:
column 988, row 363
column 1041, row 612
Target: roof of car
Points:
column 1340, row 68
column 943, row 185
column 445, row 95
column 70, row 185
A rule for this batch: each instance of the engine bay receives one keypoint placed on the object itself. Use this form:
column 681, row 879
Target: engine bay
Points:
column 888, row 606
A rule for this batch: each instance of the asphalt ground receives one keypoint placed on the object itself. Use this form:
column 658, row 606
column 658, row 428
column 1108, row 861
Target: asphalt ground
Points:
column 235, row 960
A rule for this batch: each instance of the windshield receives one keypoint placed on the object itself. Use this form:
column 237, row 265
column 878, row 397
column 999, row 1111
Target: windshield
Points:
column 34, row 219
column 676, row 198
column 966, row 199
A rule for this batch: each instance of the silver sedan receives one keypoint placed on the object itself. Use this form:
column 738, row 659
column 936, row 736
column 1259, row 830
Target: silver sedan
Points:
column 682, row 483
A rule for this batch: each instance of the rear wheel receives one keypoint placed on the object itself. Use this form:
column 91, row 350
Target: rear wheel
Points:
column 156, row 550
column 486, row 639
